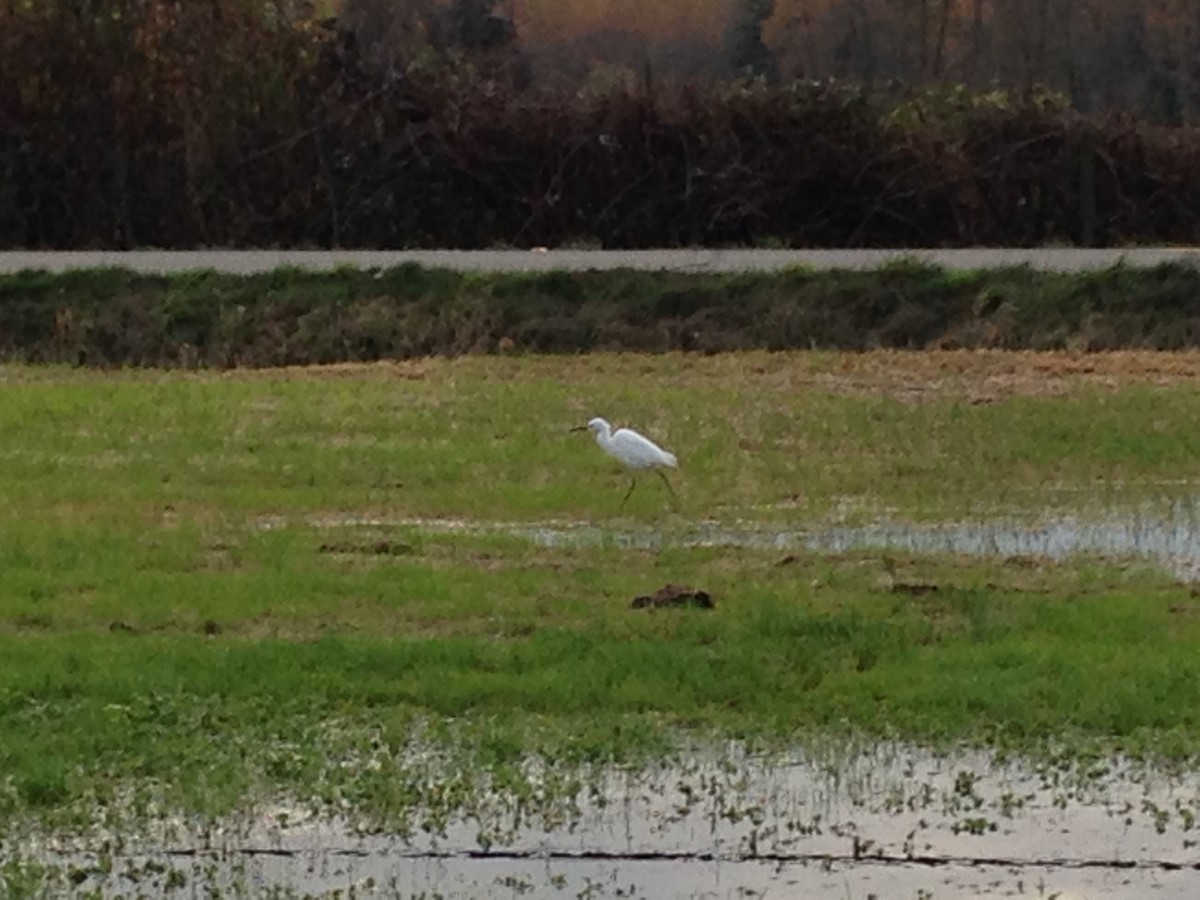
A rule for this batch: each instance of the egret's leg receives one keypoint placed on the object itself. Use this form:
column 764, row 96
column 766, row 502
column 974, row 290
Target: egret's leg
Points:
column 632, row 485
column 667, row 482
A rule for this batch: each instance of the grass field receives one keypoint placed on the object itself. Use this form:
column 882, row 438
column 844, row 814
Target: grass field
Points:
column 160, row 647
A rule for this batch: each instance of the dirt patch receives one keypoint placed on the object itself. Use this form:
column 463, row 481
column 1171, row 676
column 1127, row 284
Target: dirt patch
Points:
column 987, row 376
column 675, row 596
column 32, row 622
column 381, row 547
column 914, row 588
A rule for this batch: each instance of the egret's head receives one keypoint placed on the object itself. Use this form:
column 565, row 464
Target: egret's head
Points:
column 595, row 426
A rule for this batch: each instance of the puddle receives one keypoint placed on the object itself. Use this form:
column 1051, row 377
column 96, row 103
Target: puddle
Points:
column 1169, row 537
column 887, row 821
column 890, row 821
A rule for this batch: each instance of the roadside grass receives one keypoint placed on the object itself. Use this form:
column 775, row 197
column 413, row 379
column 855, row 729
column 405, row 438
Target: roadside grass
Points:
column 157, row 641
column 113, row 317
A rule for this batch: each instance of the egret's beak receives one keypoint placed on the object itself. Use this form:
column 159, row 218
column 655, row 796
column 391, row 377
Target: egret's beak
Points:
column 577, row 428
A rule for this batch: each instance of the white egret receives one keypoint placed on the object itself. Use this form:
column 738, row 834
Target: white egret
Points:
column 633, row 450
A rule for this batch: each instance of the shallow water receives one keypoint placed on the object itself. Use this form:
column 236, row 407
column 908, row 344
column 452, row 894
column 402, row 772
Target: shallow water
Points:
column 889, row 821
column 1168, row 535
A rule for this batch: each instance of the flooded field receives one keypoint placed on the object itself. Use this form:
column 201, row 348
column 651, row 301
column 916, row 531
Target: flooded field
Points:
column 887, row 821
column 1168, row 534
column 378, row 630
column 884, row 821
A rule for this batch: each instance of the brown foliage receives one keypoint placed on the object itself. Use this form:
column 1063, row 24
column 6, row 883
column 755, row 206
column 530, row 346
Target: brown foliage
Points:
column 180, row 124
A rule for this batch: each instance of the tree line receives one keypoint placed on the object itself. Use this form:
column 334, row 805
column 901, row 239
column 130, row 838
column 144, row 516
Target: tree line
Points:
column 1137, row 56
column 177, row 123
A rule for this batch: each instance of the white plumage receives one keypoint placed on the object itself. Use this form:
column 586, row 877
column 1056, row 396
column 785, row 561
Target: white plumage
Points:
column 633, row 450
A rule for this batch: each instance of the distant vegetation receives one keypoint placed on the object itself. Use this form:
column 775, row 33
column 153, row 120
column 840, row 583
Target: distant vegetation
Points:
column 1119, row 55
column 474, row 123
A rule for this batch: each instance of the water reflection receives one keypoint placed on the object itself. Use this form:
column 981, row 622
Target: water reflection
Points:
column 1169, row 535
column 889, row 819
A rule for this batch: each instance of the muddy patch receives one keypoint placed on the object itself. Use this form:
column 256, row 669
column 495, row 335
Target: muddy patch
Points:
column 366, row 548
column 676, row 596
column 890, row 821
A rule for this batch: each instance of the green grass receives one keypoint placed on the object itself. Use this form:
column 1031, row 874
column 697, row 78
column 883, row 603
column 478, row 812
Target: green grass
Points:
column 155, row 639
column 759, row 436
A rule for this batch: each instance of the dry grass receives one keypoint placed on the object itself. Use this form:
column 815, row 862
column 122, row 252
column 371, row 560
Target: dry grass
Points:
column 911, row 377
column 992, row 375
column 1025, row 372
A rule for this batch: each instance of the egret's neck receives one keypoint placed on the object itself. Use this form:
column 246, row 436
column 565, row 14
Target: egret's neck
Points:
column 604, row 435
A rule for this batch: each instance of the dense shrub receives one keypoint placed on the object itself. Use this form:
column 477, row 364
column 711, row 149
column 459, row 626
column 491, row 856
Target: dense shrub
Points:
column 228, row 123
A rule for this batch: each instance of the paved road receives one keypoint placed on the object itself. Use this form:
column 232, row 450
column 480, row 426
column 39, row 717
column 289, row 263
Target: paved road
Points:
column 250, row 261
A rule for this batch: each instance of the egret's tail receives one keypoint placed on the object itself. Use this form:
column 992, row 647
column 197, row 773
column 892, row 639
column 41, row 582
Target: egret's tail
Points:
column 671, row 460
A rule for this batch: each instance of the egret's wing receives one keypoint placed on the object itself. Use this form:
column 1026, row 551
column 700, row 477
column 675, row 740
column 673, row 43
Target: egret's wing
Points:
column 636, row 450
